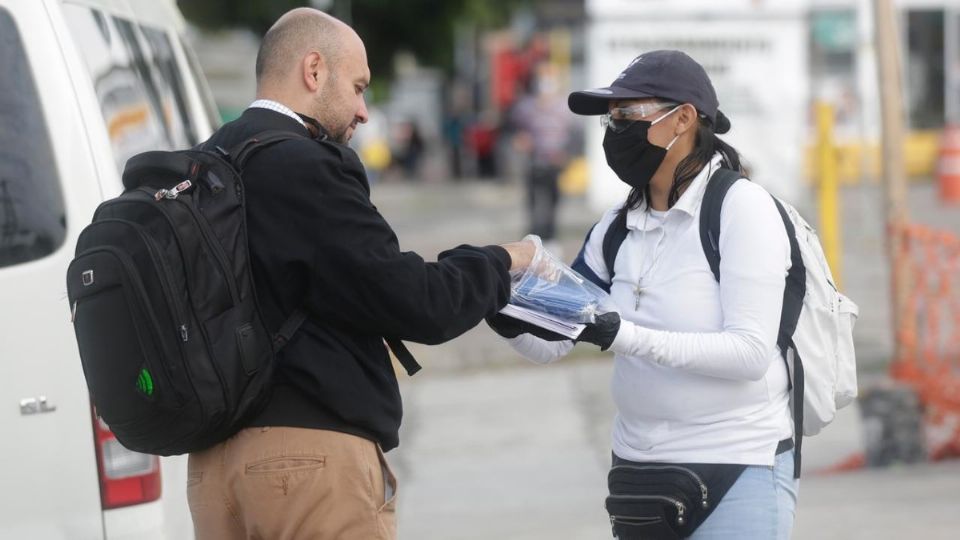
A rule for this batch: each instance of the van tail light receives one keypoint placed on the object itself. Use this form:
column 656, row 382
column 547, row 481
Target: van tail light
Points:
column 126, row 477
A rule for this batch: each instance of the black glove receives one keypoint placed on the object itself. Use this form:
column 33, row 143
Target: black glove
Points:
column 603, row 331
column 509, row 327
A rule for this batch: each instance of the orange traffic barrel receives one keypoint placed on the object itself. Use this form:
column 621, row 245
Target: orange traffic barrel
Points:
column 948, row 167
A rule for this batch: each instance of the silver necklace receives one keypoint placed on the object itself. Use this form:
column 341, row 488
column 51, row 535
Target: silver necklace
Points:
column 640, row 289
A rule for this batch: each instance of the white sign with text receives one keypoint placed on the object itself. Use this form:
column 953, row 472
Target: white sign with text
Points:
column 758, row 65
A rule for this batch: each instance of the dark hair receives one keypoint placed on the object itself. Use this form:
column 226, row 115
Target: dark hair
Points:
column 705, row 145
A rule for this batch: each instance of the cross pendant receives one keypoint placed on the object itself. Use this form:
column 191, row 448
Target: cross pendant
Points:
column 637, row 292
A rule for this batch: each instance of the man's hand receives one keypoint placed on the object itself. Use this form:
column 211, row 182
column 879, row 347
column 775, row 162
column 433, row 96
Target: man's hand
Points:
column 509, row 327
column 603, row 331
column 521, row 254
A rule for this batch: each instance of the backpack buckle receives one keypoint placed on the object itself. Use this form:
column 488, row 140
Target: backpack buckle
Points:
column 173, row 192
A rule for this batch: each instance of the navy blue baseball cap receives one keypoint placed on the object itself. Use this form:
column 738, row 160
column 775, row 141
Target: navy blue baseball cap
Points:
column 668, row 75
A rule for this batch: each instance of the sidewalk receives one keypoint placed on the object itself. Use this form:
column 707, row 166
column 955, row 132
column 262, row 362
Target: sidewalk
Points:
column 508, row 454
column 920, row 501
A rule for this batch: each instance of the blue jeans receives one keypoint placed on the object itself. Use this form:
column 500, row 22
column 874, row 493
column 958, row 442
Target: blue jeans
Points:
column 760, row 505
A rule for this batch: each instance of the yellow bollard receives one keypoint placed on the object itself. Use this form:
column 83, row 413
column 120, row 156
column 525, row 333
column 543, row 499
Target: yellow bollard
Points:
column 828, row 184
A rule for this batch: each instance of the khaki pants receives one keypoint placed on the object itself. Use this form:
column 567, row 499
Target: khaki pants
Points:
column 283, row 483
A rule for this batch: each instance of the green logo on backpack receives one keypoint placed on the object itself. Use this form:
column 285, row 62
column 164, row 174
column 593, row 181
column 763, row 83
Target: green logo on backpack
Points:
column 145, row 382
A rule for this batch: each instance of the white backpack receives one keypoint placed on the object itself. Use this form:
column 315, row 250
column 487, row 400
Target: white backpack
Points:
column 817, row 329
column 824, row 335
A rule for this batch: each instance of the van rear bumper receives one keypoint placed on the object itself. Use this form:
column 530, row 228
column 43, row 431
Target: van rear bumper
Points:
column 167, row 518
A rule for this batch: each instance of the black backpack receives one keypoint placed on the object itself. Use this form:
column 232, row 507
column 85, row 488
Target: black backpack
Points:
column 173, row 346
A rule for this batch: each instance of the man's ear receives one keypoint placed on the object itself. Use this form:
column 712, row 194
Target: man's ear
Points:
column 314, row 71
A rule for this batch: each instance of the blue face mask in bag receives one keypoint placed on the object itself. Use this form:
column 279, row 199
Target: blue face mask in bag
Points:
column 551, row 287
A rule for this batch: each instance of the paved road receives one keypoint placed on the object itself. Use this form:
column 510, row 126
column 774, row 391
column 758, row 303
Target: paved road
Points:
column 503, row 454
column 521, row 453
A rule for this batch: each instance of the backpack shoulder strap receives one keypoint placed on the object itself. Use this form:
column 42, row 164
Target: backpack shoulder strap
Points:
column 403, row 355
column 238, row 156
column 580, row 265
column 793, row 293
column 241, row 153
column 710, row 208
column 796, row 283
column 797, row 384
column 612, row 239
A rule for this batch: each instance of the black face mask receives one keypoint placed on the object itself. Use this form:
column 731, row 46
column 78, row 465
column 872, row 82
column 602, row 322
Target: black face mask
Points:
column 631, row 154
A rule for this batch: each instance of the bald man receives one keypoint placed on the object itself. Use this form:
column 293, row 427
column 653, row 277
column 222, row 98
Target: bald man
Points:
column 310, row 464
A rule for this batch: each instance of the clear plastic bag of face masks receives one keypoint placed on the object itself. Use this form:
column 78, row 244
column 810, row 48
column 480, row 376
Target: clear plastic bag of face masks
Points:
column 551, row 287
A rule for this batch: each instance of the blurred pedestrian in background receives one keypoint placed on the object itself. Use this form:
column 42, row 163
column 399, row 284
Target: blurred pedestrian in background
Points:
column 454, row 125
column 310, row 464
column 544, row 133
column 481, row 138
column 699, row 385
column 411, row 147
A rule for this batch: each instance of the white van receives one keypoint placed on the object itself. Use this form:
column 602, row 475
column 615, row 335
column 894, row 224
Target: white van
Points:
column 84, row 84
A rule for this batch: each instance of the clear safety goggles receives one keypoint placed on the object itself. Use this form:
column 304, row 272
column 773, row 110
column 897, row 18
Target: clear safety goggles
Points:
column 620, row 118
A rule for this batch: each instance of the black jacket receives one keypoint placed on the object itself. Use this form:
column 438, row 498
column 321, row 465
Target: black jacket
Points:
column 318, row 242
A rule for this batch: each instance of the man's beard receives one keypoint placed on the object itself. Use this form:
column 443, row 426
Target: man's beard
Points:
column 340, row 135
column 327, row 116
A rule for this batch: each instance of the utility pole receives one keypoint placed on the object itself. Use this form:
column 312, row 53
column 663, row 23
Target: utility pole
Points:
column 828, row 192
column 893, row 173
column 341, row 9
column 9, row 226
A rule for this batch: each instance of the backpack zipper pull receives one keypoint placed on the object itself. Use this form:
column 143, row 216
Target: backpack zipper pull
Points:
column 73, row 311
column 173, row 192
column 183, row 333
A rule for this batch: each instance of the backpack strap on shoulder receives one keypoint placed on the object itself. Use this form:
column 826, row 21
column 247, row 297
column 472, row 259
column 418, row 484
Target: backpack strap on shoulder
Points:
column 241, row 153
column 717, row 188
column 796, row 284
column 238, row 156
column 581, row 267
column 613, row 239
column 793, row 293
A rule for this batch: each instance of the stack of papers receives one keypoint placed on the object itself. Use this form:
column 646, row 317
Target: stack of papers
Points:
column 543, row 320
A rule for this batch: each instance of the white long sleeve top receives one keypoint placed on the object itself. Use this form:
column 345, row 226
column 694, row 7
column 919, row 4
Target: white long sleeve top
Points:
column 697, row 373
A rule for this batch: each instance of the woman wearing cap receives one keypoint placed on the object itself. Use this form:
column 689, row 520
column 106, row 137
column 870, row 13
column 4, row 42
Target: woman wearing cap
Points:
column 701, row 392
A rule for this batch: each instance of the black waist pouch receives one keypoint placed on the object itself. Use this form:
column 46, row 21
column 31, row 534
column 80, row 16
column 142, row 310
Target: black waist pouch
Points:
column 664, row 501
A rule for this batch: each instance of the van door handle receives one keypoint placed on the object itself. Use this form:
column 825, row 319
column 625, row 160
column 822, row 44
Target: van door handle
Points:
column 36, row 405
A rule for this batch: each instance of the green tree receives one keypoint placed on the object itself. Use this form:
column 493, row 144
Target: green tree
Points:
column 423, row 27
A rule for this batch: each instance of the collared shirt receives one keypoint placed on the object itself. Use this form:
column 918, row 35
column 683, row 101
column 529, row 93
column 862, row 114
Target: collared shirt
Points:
column 278, row 107
column 697, row 373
